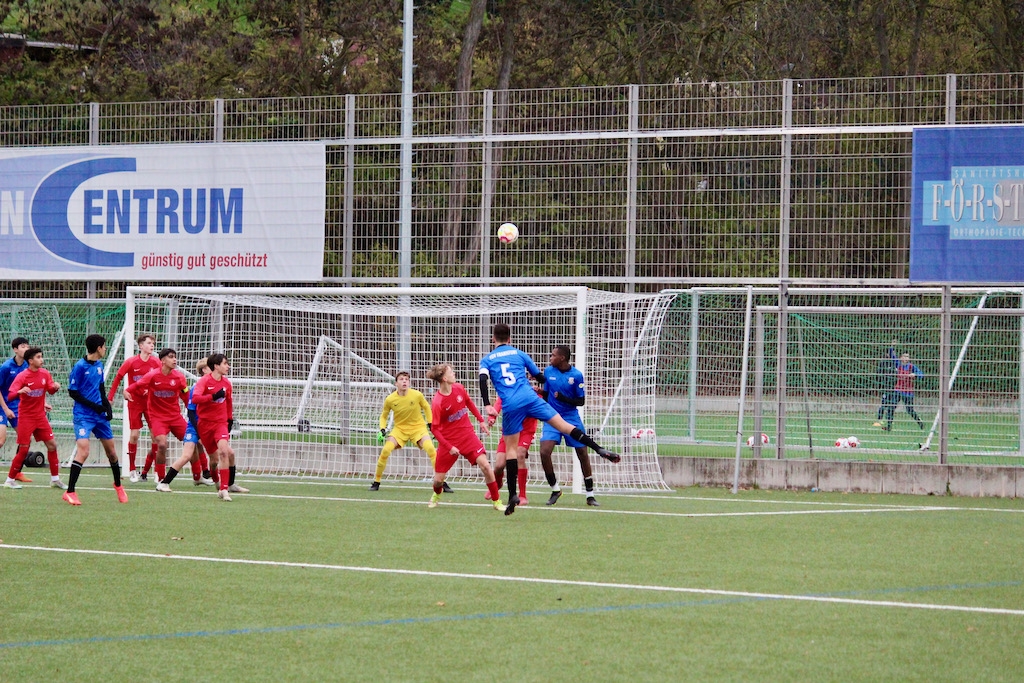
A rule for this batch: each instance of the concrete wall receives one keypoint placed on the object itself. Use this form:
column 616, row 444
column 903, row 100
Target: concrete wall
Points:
column 855, row 477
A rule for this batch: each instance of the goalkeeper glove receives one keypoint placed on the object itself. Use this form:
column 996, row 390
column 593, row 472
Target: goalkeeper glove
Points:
column 219, row 394
column 382, row 436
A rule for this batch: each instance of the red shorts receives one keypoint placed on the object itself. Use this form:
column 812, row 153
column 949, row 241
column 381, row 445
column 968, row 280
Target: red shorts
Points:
column 135, row 413
column 445, row 461
column 211, row 434
column 41, row 431
column 177, row 427
column 525, row 436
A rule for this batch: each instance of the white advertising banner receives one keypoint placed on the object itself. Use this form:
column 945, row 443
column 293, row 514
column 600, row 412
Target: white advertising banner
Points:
column 145, row 213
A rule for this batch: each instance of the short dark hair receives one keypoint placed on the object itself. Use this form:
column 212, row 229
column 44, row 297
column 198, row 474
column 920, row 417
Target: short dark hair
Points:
column 403, row 372
column 166, row 352
column 565, row 351
column 215, row 359
column 33, row 352
column 502, row 332
column 18, row 341
column 94, row 341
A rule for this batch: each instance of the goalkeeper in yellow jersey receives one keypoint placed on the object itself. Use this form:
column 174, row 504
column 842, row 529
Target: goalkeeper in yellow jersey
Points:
column 412, row 423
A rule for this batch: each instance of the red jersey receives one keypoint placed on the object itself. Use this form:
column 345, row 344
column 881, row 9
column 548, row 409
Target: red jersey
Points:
column 135, row 368
column 33, row 403
column 208, row 408
column 451, row 424
column 164, row 393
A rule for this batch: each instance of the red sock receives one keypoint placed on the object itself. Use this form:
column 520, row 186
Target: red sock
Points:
column 19, row 460
column 197, row 473
column 133, row 449
column 51, row 458
column 522, row 481
column 494, row 490
column 161, row 471
column 438, row 488
column 225, row 476
column 204, row 462
column 215, row 475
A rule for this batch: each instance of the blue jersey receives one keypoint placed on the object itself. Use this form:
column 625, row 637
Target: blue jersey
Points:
column 87, row 379
column 510, row 370
column 568, row 384
column 8, row 371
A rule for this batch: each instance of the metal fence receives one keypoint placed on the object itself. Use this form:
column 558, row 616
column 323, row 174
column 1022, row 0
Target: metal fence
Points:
column 630, row 187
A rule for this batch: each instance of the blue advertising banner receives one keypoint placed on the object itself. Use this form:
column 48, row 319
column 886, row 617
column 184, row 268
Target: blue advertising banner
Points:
column 967, row 206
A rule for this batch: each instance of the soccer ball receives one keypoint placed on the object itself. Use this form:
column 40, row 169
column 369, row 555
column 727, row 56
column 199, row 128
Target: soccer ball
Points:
column 764, row 440
column 508, row 233
column 853, row 441
column 842, row 442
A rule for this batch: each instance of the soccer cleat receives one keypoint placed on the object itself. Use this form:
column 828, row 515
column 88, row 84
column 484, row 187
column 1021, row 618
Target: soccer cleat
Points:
column 163, row 488
column 71, row 498
column 235, row 488
column 592, row 502
column 58, row 484
column 445, row 488
column 122, row 495
column 522, row 500
column 224, row 495
column 608, row 455
column 435, row 498
column 555, row 495
column 877, row 424
column 203, row 481
column 11, row 484
column 133, row 477
column 143, row 476
column 511, row 507
column 20, row 476
column 498, row 505
column 375, row 486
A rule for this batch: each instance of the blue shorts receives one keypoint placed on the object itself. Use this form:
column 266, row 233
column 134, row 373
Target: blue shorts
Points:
column 552, row 434
column 13, row 422
column 99, row 426
column 512, row 416
column 191, row 435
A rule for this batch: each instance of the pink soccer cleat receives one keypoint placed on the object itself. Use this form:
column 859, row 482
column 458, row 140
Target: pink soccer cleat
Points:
column 71, row 498
column 122, row 495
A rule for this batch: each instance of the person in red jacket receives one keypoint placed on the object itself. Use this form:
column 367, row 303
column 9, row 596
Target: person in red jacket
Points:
column 450, row 423
column 135, row 368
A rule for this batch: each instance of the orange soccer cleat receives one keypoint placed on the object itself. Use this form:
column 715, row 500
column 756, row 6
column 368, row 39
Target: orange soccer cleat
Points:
column 122, row 495
column 71, row 498
column 20, row 476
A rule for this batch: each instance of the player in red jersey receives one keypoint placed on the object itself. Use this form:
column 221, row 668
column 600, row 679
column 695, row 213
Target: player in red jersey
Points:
column 135, row 368
column 167, row 387
column 32, row 387
column 526, row 437
column 212, row 398
column 454, row 432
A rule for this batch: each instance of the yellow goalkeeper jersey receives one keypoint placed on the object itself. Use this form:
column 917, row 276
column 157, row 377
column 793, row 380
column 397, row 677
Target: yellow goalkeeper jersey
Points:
column 409, row 411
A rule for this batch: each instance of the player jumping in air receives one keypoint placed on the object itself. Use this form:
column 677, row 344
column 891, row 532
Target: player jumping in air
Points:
column 509, row 370
column 10, row 369
column 566, row 392
column 455, row 435
column 31, row 388
column 92, row 414
column 409, row 407
column 903, row 390
column 135, row 368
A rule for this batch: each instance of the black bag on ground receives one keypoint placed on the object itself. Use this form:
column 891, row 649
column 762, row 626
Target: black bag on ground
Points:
column 35, row 459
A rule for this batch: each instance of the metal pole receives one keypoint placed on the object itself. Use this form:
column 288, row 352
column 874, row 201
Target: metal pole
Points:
column 758, row 383
column 694, row 338
column 780, row 383
column 488, row 189
column 349, row 199
column 743, row 390
column 631, row 188
column 405, row 228
column 945, row 333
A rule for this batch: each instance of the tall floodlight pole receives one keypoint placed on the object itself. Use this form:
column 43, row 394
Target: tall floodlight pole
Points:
column 405, row 218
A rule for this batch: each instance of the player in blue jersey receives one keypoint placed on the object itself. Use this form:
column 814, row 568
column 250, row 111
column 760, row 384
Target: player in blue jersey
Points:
column 8, row 371
column 509, row 369
column 565, row 392
column 92, row 415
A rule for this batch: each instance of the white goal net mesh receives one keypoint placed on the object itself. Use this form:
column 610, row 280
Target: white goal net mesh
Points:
column 311, row 367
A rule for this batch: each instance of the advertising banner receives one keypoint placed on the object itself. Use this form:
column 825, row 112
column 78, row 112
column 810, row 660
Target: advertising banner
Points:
column 967, row 206
column 146, row 213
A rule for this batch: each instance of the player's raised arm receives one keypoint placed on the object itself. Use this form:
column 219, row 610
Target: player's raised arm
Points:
column 121, row 372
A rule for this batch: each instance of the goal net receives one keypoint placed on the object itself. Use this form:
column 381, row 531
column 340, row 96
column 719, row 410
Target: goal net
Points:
column 311, row 367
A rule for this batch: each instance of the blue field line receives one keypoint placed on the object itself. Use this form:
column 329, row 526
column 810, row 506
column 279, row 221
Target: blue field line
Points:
column 492, row 615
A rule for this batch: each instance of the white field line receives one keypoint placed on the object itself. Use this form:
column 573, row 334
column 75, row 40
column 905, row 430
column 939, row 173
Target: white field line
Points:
column 532, row 580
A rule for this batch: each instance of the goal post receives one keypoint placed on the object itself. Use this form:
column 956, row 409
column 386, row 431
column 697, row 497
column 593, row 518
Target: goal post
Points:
column 311, row 366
